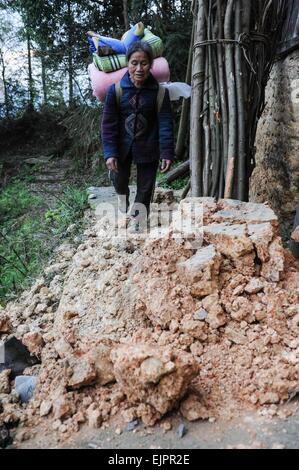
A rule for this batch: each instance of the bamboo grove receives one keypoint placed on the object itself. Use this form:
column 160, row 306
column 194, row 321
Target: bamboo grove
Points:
column 233, row 51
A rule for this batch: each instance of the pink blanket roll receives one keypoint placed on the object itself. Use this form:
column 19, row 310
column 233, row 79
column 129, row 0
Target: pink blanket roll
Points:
column 101, row 81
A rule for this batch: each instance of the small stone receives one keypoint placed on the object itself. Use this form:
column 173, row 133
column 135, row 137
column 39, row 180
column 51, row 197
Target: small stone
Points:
column 118, row 431
column 181, row 431
column 45, row 408
column 63, row 348
column 56, row 425
column 69, row 315
column 201, row 314
column 254, row 286
column 269, row 398
column 129, row 415
column 174, row 326
column 192, row 409
column 62, row 428
column 91, row 445
column 79, row 417
column 84, row 373
column 94, row 417
column 4, row 381
column 62, row 408
column 25, row 385
column 85, row 263
column 33, row 341
column 166, row 426
column 238, row 290
column 40, row 308
column 132, row 425
column 235, row 336
column 212, row 419
column 196, row 348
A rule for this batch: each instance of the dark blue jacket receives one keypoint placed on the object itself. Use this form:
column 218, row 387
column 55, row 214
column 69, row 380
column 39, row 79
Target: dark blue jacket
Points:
column 135, row 125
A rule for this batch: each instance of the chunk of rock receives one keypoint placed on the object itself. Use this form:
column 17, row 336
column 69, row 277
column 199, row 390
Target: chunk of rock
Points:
column 41, row 307
column 4, row 381
column 230, row 240
column 181, row 430
column 62, row 407
column 84, row 372
column 192, row 409
column 196, row 348
column 241, row 309
column 235, row 336
column 245, row 212
column 254, row 286
column 199, row 208
column 45, row 408
column 63, row 348
column 25, row 385
column 261, row 236
column 153, row 376
column 201, row 271
column 100, row 356
column 273, row 269
column 153, row 369
column 94, row 417
column 269, row 398
column 201, row 314
column 33, row 341
column 194, row 328
column 216, row 316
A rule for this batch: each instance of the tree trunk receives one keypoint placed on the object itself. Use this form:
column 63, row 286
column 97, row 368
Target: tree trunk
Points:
column 232, row 105
column 198, row 75
column 241, row 167
column 70, row 54
column 235, row 46
column 6, row 97
column 30, row 77
column 185, row 113
column 223, row 100
column 177, row 172
column 44, row 76
column 125, row 13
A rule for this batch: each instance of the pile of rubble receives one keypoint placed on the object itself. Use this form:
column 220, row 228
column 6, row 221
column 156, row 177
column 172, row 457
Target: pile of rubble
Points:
column 139, row 326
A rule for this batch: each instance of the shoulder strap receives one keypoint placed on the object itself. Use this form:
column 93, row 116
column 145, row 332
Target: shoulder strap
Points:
column 160, row 97
column 118, row 93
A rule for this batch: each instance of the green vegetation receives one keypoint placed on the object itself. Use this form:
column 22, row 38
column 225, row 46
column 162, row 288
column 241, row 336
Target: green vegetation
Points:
column 180, row 183
column 30, row 231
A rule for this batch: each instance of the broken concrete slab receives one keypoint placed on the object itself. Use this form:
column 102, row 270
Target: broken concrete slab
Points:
column 245, row 212
column 230, row 240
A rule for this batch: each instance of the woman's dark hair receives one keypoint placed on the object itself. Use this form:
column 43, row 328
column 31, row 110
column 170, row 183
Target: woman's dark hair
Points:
column 140, row 46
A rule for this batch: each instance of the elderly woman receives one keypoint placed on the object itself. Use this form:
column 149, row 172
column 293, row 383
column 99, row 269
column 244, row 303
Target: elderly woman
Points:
column 137, row 127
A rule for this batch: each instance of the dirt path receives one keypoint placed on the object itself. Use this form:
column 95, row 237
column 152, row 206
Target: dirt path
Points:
column 249, row 430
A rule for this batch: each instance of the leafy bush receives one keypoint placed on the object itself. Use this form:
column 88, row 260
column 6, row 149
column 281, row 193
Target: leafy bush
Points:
column 16, row 200
column 29, row 232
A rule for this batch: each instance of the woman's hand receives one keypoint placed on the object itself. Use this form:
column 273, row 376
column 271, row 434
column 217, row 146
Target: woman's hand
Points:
column 165, row 165
column 111, row 164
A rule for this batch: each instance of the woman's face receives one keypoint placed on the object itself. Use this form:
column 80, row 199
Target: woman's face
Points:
column 139, row 68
